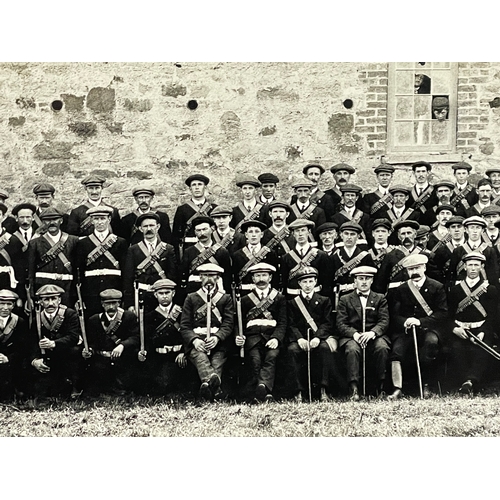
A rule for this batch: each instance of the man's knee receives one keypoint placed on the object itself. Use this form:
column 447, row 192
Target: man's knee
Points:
column 352, row 347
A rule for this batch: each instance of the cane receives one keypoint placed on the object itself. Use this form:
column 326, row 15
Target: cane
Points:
column 309, row 363
column 363, row 348
column 414, row 329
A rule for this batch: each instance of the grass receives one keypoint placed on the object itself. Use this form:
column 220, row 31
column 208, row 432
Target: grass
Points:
column 141, row 416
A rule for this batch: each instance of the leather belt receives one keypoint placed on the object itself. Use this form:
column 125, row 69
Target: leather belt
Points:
column 395, row 284
column 168, row 348
column 261, row 322
column 54, row 276
column 103, row 272
column 190, row 239
column 202, row 330
column 473, row 324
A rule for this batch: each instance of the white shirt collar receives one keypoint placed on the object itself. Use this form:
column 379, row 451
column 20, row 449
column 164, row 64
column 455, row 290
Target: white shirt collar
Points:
column 303, row 206
column 95, row 203
column 101, row 235
column 264, row 292
column 419, row 283
column 472, row 283
column 55, row 238
column 250, row 205
column 306, row 296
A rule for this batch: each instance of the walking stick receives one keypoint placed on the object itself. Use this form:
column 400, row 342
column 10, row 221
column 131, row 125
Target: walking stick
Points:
column 209, row 313
column 309, row 364
column 363, row 348
column 414, row 329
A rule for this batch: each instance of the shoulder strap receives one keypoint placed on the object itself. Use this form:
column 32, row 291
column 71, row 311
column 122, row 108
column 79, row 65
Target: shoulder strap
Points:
column 302, row 308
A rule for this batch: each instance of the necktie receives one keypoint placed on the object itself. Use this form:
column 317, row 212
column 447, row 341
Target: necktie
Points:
column 419, row 191
column 26, row 235
column 363, row 295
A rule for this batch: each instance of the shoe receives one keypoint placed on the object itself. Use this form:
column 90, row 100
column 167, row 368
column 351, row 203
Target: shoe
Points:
column 261, row 392
column 427, row 392
column 353, row 388
column 466, row 388
column 269, row 398
column 324, row 398
column 397, row 394
column 214, row 382
column 205, row 392
column 219, row 395
column 298, row 398
column 381, row 395
column 75, row 393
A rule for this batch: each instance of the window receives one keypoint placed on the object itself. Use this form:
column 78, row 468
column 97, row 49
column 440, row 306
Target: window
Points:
column 422, row 107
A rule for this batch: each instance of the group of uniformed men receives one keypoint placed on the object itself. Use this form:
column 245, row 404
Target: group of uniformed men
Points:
column 325, row 293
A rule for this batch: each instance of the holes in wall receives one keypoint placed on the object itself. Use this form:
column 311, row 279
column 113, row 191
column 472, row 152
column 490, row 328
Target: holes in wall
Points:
column 192, row 104
column 56, row 105
column 348, row 104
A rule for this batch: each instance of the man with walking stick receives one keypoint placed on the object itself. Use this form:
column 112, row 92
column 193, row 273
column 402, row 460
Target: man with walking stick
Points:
column 362, row 323
column 420, row 311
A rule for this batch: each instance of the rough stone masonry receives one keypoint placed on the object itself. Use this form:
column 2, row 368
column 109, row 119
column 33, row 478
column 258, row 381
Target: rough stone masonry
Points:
column 131, row 122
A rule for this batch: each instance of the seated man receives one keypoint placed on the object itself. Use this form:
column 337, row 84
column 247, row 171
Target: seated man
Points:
column 419, row 303
column 310, row 329
column 264, row 320
column 362, row 323
column 206, row 325
column 113, row 338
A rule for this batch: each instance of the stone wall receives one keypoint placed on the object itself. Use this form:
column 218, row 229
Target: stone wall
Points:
column 136, row 121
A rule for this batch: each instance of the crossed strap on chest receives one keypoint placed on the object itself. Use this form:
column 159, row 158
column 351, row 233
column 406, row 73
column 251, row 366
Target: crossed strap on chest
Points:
column 403, row 217
column 198, row 211
column 420, row 299
column 356, row 216
column 102, row 248
column 87, row 222
column 460, row 197
column 305, row 313
column 261, row 306
column 226, row 240
column 253, row 214
column 481, row 248
column 22, row 239
column 55, row 251
column 9, row 328
column 399, row 266
column 301, row 262
column 496, row 200
column 4, row 240
column 170, row 318
column 379, row 257
column 56, row 322
column 385, row 200
column 472, row 297
column 114, row 324
column 37, row 220
column 201, row 313
column 152, row 259
column 206, row 254
column 420, row 200
column 317, row 196
column 307, row 213
column 443, row 241
column 253, row 259
column 350, row 264
column 278, row 238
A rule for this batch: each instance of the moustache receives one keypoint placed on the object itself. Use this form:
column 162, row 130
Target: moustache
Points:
column 148, row 232
column 414, row 275
column 407, row 240
column 260, row 282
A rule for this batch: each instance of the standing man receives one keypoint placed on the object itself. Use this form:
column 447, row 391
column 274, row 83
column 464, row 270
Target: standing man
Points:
column 422, row 196
column 144, row 196
column 484, row 193
column 464, row 194
column 79, row 223
column 198, row 206
column 264, row 319
column 443, row 191
column 420, row 303
column 440, row 235
column 44, row 196
column 225, row 235
column 326, row 234
column 205, row 348
column 341, row 176
column 362, row 323
column 491, row 215
column 249, row 207
column 376, row 203
column 9, row 223
column 494, row 177
column 268, row 189
column 381, row 229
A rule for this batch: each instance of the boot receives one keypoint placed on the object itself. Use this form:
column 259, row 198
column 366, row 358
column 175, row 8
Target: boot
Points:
column 353, row 389
column 397, row 380
column 324, row 398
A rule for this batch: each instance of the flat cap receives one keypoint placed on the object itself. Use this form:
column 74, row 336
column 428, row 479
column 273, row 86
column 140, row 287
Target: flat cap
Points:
column 311, row 165
column 399, row 188
column 306, row 183
column 252, row 181
column 490, row 210
column 3, row 194
column 307, row 272
column 406, row 223
column 44, row 188
column 326, row 226
column 444, row 183
column 197, row 177
column 164, row 284
column 49, row 291
column 3, row 208
column 51, row 213
column 384, row 168
column 342, row 166
column 456, row 219
column 8, row 295
column 422, row 231
column 23, row 206
column 414, row 260
column 262, row 267
column 221, row 211
column 110, row 295
column 252, row 223
column 143, row 190
column 475, row 219
column 492, row 170
column 351, row 226
column 425, row 164
column 484, row 182
column 93, row 180
column 445, row 206
column 209, row 269
column 279, row 204
column 202, row 219
column 268, row 178
column 297, row 223
column 462, row 165
column 146, row 216
column 381, row 223
column 474, row 256
column 351, row 188
column 100, row 210
column 440, row 102
column 364, row 271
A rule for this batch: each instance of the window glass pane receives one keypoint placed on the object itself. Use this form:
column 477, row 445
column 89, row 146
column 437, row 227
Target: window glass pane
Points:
column 440, row 82
column 404, row 82
column 404, row 65
column 421, row 132
column 403, row 133
column 423, row 106
column 441, row 65
column 404, row 107
column 440, row 132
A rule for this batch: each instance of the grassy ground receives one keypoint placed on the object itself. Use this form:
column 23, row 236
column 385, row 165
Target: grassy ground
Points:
column 446, row 416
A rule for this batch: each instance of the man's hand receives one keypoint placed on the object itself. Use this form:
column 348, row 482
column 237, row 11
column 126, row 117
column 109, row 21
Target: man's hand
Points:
column 240, row 340
column 314, row 342
column 3, row 359
column 411, row 322
column 303, row 344
column 46, row 343
column 480, row 336
column 40, row 366
column 117, row 351
column 357, row 336
column 181, row 360
column 132, row 310
column 364, row 338
column 460, row 332
column 87, row 353
column 141, row 355
column 332, row 344
column 272, row 343
column 211, row 342
column 199, row 345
